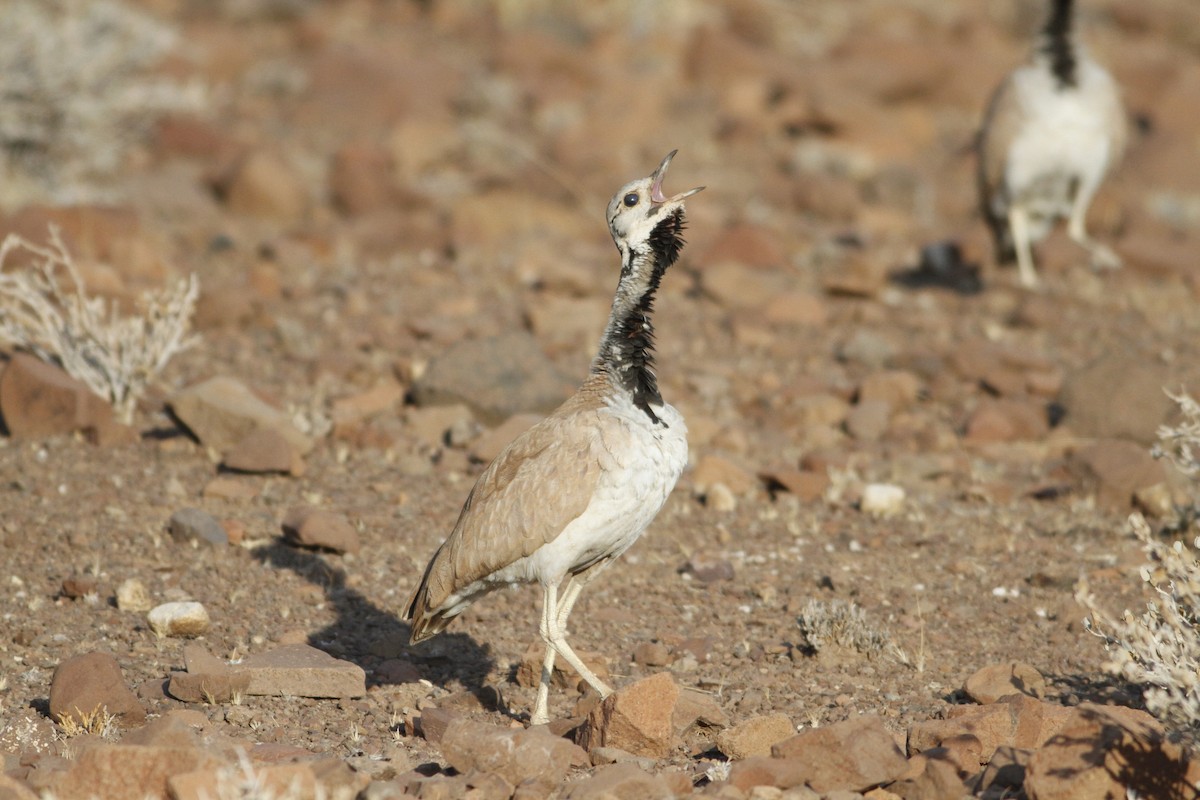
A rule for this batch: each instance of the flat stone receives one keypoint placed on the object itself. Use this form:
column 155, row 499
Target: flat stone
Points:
column 86, row 684
column 191, row 525
column 223, row 411
column 180, row 619
column 130, row 770
column 1006, row 419
column 807, row 484
column 621, row 781
column 297, row 670
column 533, row 758
column 857, row 754
column 385, row 396
column 637, row 718
column 313, row 527
column 755, row 736
column 994, row 681
column 176, row 728
column 779, row 773
column 227, row 487
column 39, row 400
column 497, row 377
column 264, row 450
column 199, row 687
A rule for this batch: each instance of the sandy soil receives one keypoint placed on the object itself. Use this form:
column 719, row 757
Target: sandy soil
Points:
column 835, row 142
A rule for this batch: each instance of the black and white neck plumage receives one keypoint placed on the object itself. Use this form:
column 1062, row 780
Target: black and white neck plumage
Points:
column 1058, row 43
column 647, row 228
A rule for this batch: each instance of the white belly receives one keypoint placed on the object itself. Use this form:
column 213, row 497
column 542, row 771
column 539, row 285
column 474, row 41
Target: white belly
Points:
column 645, row 459
column 1065, row 143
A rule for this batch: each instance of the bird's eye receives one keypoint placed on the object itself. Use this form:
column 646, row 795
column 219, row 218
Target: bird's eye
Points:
column 631, row 199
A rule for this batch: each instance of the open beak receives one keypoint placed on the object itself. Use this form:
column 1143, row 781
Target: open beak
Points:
column 656, row 194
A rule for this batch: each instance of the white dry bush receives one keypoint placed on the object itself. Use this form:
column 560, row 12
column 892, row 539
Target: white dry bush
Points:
column 45, row 310
column 75, row 93
column 1160, row 647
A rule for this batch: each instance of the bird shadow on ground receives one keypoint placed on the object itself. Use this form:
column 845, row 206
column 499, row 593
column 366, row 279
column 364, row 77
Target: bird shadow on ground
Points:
column 369, row 636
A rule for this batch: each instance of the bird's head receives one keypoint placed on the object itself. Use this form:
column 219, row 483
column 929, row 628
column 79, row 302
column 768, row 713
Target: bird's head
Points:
column 640, row 215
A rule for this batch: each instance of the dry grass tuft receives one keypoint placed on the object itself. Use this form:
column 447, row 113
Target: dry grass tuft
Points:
column 97, row 722
column 117, row 357
column 1160, row 648
column 840, row 624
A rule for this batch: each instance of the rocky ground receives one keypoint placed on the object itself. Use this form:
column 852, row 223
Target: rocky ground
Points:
column 395, row 215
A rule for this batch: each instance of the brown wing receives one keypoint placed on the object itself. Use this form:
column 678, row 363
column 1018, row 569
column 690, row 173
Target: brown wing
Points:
column 524, row 499
column 1000, row 126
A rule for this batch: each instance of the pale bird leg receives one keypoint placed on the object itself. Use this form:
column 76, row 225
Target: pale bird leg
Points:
column 540, row 715
column 553, row 634
column 574, row 587
column 1102, row 257
column 1018, row 223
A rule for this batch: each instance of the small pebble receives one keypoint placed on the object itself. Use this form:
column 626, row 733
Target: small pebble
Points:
column 882, row 499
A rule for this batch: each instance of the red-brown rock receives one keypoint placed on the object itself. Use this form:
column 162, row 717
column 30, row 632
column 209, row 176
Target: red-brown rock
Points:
column 989, row 684
column 856, row 754
column 314, row 527
column 534, row 760
column 38, row 400
column 90, row 683
column 1109, row 751
column 130, row 771
column 637, row 718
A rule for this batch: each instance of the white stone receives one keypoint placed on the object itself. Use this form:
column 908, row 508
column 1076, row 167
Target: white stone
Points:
column 132, row 595
column 179, row 619
column 882, row 499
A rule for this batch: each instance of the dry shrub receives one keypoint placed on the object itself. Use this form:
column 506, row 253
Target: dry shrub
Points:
column 45, row 310
column 75, row 93
column 840, row 624
column 1160, row 648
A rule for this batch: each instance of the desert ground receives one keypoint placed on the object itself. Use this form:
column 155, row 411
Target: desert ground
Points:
column 363, row 187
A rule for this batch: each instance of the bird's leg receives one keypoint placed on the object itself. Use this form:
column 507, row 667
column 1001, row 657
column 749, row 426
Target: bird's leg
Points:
column 1018, row 223
column 1102, row 257
column 554, row 633
column 541, row 707
column 574, row 587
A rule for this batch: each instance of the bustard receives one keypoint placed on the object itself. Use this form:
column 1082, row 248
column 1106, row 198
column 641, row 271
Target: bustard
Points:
column 573, row 492
column 1054, row 128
